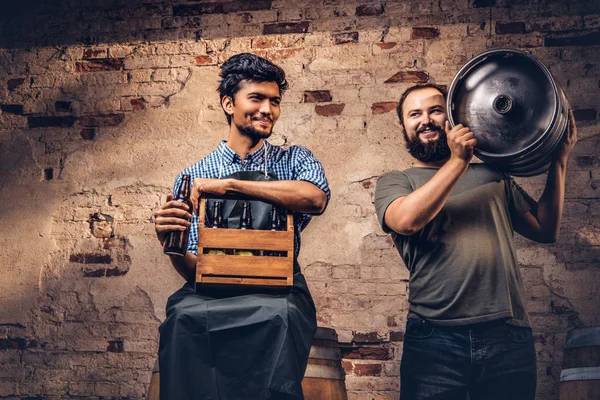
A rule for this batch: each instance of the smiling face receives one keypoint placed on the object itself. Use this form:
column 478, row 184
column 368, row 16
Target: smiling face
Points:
column 255, row 109
column 424, row 119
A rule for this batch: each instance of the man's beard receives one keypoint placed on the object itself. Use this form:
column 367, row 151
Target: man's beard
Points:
column 254, row 134
column 431, row 151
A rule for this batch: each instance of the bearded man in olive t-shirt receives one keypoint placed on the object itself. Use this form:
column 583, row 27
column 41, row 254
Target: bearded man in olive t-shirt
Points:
column 452, row 222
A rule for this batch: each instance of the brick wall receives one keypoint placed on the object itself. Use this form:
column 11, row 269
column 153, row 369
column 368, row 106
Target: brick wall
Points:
column 103, row 103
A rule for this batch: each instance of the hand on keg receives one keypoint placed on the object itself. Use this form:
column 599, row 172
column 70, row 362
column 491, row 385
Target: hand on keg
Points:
column 172, row 216
column 461, row 141
column 569, row 139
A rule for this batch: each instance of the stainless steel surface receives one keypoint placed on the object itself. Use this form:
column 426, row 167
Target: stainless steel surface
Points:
column 513, row 106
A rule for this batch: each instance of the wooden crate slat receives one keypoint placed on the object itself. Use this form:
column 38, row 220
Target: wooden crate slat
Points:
column 220, row 238
column 218, row 264
column 241, row 280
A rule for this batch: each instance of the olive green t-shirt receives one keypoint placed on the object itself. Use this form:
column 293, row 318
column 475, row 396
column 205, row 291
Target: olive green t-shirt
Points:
column 463, row 264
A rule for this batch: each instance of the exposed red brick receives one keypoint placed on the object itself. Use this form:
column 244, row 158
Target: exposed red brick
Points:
column 115, row 346
column 317, row 96
column 366, row 353
column 101, row 120
column 47, row 122
column 138, row 103
column 94, row 53
column 86, row 258
column 510, row 27
column 391, row 322
column 12, row 84
column 276, row 55
column 367, row 369
column 244, row 5
column 587, row 161
column 16, row 109
column 345, row 37
column 88, row 133
column 366, row 337
column 329, row 109
column 188, row 10
column 383, row 107
column 264, row 43
column 347, row 366
column 48, row 174
column 285, row 27
column 204, row 60
column 369, row 10
column 63, row 106
column 586, row 114
column 386, row 45
column 101, row 64
column 397, row 336
column 588, row 39
column 424, row 33
column 409, row 76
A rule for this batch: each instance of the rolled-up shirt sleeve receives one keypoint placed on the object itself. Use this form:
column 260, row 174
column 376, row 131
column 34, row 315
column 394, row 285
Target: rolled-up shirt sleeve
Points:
column 390, row 186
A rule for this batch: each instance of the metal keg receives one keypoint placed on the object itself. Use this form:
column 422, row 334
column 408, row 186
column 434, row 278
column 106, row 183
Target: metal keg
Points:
column 515, row 108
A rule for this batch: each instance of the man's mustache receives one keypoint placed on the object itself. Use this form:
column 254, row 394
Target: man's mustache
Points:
column 431, row 127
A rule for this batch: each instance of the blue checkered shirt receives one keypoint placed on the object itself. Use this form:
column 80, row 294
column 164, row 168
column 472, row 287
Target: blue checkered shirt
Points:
column 295, row 163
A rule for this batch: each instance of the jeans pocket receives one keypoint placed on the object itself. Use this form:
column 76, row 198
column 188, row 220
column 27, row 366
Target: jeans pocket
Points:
column 417, row 328
column 519, row 334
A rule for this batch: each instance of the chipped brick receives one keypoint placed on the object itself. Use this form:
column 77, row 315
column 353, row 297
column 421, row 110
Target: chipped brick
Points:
column 12, row 84
column 204, row 60
column 409, row 76
column 238, row 6
column 424, row 33
column 12, row 344
column 586, row 114
column 483, row 3
column 63, row 106
column 317, row 96
column 94, row 53
column 366, row 353
column 345, row 37
column 50, row 122
column 386, row 45
column 110, row 272
column 369, row 10
column 190, row 10
column 510, row 28
column 115, row 346
column 397, row 336
column 285, row 27
column 589, row 39
column 94, row 273
column 84, row 258
column 101, row 120
column 383, row 107
column 106, row 64
column 88, row 133
column 16, row 109
column 329, row 110
column 368, row 337
column 367, row 369
column 138, row 103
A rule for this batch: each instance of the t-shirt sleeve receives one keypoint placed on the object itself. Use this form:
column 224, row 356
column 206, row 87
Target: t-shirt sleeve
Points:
column 390, row 186
column 520, row 202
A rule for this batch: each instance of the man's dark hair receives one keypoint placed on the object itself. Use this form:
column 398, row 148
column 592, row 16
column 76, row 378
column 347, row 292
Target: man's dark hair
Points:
column 411, row 89
column 248, row 67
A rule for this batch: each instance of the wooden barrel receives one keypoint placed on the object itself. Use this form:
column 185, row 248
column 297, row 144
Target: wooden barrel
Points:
column 580, row 376
column 324, row 377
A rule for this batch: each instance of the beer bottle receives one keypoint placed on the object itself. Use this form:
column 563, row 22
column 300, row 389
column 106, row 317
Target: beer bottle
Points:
column 217, row 222
column 245, row 223
column 177, row 241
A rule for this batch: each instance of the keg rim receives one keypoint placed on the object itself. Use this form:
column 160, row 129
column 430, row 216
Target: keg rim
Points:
column 478, row 59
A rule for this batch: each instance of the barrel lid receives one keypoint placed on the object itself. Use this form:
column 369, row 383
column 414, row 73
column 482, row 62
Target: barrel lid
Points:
column 507, row 98
column 580, row 374
column 583, row 337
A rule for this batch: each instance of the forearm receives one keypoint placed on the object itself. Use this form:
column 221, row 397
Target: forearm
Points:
column 185, row 266
column 297, row 196
column 410, row 214
column 550, row 205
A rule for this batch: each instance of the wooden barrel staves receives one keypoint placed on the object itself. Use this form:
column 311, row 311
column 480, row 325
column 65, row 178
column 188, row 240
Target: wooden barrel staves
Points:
column 580, row 376
column 324, row 377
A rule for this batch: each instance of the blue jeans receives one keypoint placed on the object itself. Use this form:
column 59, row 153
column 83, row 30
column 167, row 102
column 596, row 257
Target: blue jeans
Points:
column 489, row 361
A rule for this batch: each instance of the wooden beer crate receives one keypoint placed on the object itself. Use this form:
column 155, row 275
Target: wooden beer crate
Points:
column 227, row 270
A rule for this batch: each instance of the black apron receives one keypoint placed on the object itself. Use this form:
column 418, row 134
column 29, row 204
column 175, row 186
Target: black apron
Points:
column 236, row 346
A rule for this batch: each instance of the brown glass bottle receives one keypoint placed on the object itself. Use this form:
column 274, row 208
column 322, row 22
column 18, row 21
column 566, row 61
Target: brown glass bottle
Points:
column 217, row 222
column 245, row 223
column 177, row 241
column 276, row 225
